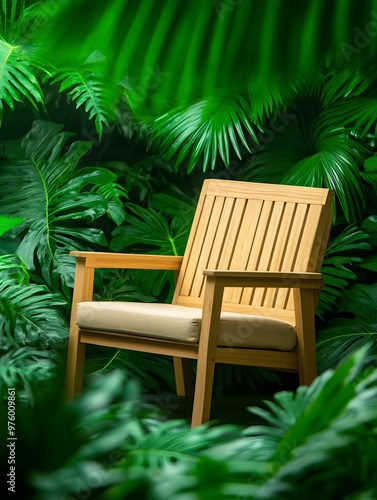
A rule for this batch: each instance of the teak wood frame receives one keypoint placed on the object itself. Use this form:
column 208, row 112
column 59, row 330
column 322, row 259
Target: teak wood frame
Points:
column 201, row 283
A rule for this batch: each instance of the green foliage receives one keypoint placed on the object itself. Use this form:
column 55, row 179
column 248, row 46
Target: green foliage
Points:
column 120, row 447
column 306, row 153
column 86, row 88
column 214, row 85
column 148, row 227
column 342, row 253
column 323, row 439
column 40, row 183
column 17, row 78
column 33, row 329
column 212, row 126
column 176, row 52
column 24, row 70
column 6, row 223
column 353, row 326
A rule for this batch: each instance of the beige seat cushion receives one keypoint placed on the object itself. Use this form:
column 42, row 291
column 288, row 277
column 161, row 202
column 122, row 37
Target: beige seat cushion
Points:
column 182, row 324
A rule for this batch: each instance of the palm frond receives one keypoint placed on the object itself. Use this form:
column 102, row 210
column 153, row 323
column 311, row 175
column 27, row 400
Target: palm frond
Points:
column 322, row 449
column 305, row 152
column 15, row 19
column 206, row 130
column 23, row 367
column 337, row 266
column 17, row 78
column 226, row 45
column 358, row 114
column 353, row 326
column 294, row 418
column 347, row 83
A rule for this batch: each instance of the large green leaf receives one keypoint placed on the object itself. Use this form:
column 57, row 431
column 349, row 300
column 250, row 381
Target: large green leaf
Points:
column 345, row 84
column 206, row 130
column 86, row 88
column 29, row 313
column 17, row 78
column 40, row 182
column 322, row 450
column 354, row 324
column 342, row 253
column 306, row 152
column 300, row 452
column 148, row 227
column 174, row 52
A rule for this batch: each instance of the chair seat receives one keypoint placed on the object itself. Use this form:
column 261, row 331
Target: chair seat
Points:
column 180, row 323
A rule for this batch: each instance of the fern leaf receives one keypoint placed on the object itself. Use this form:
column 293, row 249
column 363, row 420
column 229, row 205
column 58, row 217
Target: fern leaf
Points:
column 17, row 79
column 85, row 87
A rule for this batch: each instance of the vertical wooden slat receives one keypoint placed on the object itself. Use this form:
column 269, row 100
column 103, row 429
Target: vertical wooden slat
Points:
column 268, row 248
column 306, row 245
column 280, row 248
column 195, row 252
column 294, row 239
column 204, row 246
column 243, row 245
column 257, row 249
column 307, row 240
column 226, row 235
column 231, row 238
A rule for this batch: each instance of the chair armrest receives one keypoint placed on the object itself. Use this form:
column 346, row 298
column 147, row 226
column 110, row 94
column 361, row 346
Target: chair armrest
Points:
column 278, row 279
column 128, row 261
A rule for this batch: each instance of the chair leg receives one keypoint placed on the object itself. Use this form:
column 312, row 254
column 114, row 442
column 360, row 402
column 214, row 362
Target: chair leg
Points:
column 183, row 376
column 305, row 310
column 203, row 391
column 75, row 365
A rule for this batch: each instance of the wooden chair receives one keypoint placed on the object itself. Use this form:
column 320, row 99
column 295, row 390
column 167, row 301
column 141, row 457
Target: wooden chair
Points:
column 254, row 254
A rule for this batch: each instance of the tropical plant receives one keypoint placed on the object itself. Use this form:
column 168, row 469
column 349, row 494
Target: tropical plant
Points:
column 250, row 44
column 120, row 447
column 41, row 184
column 25, row 71
column 208, row 86
column 32, row 325
column 353, row 325
column 19, row 62
column 342, row 254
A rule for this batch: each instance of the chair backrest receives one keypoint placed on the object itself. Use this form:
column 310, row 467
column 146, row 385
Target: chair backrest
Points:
column 255, row 227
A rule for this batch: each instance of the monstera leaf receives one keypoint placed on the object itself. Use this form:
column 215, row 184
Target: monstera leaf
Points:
column 40, row 183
